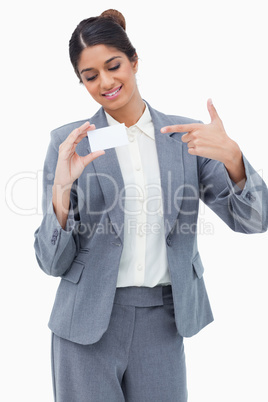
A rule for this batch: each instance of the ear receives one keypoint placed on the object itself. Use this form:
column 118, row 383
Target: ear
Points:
column 135, row 63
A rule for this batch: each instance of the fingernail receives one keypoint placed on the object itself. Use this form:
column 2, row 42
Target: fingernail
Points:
column 163, row 130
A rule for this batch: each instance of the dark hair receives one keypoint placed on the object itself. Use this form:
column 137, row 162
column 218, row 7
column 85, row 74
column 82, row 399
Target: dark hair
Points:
column 107, row 29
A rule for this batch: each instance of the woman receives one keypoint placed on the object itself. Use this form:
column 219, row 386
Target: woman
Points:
column 119, row 228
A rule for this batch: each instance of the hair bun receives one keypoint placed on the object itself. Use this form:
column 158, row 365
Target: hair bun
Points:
column 116, row 16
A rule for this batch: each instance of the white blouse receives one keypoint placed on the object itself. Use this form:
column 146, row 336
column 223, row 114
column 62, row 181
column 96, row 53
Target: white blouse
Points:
column 144, row 258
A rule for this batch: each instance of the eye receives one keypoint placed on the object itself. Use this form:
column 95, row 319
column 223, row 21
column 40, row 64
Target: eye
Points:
column 114, row 68
column 91, row 78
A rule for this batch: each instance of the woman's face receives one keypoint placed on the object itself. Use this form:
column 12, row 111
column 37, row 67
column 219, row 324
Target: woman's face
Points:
column 109, row 76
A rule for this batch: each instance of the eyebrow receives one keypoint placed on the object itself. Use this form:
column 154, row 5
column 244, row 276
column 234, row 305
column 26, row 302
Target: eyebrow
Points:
column 106, row 62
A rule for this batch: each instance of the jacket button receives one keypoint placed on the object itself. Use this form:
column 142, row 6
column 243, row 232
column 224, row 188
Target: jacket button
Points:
column 56, row 232
column 250, row 197
column 169, row 241
column 116, row 244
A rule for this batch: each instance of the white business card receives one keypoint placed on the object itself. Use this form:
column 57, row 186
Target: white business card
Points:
column 108, row 137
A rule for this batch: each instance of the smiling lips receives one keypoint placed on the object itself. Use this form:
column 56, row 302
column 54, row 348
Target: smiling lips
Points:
column 112, row 94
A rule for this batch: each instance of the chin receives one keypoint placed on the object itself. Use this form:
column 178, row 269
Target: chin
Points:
column 117, row 104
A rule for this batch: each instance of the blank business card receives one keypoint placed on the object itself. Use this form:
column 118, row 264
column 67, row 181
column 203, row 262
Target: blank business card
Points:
column 108, row 137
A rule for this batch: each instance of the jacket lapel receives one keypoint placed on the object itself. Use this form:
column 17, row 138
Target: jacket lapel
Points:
column 110, row 178
column 171, row 167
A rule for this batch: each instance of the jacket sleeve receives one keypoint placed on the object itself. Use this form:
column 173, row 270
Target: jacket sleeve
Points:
column 55, row 248
column 244, row 211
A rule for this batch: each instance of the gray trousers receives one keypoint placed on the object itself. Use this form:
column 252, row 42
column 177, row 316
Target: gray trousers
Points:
column 140, row 358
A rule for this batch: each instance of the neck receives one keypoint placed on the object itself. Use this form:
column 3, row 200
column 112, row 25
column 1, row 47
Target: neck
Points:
column 131, row 112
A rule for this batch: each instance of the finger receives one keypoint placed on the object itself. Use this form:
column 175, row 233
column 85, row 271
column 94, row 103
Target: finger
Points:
column 212, row 111
column 186, row 137
column 78, row 134
column 84, row 134
column 90, row 157
column 180, row 128
column 192, row 151
column 91, row 127
column 190, row 144
column 78, row 131
column 82, row 128
column 68, row 146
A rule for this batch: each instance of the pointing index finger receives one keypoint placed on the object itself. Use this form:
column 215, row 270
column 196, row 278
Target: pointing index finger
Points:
column 180, row 128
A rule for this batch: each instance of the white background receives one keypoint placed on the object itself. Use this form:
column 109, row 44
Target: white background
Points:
column 189, row 51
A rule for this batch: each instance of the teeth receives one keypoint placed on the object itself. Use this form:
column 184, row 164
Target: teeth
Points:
column 111, row 94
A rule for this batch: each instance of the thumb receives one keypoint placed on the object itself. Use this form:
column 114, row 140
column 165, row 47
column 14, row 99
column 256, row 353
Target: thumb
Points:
column 212, row 111
column 90, row 157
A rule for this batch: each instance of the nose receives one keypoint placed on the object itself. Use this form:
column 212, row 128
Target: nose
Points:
column 107, row 81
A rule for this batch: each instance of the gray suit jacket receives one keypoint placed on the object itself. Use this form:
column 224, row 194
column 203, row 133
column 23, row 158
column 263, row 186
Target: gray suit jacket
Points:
column 87, row 254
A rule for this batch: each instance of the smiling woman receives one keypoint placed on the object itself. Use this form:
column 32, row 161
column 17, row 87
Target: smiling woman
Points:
column 120, row 229
column 106, row 63
column 109, row 77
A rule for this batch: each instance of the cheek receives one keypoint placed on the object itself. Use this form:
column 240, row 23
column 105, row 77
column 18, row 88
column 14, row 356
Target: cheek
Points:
column 128, row 73
column 130, row 79
column 91, row 89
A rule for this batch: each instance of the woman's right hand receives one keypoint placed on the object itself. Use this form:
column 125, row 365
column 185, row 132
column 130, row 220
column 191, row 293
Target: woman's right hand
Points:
column 70, row 165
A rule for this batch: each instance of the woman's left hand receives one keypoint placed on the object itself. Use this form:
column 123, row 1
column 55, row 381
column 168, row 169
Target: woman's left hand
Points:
column 208, row 140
